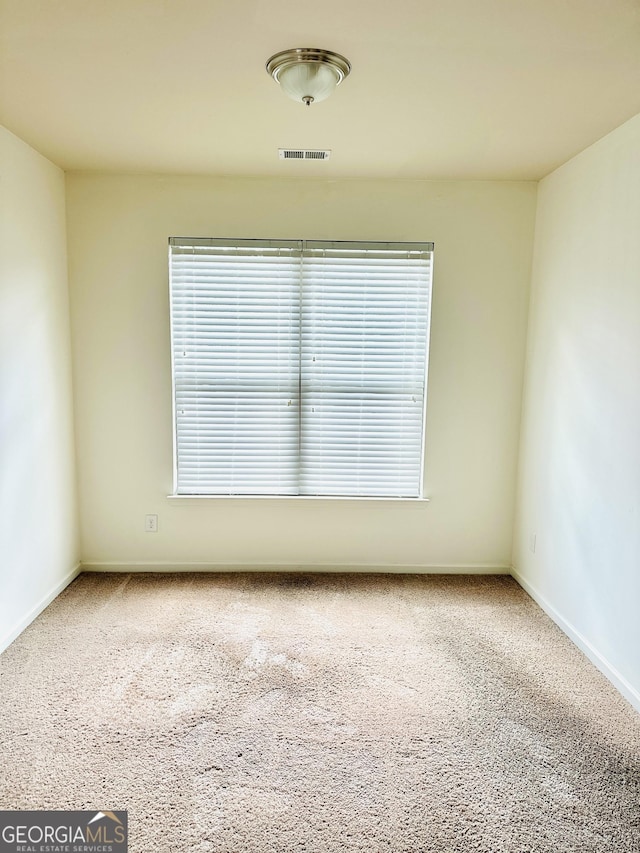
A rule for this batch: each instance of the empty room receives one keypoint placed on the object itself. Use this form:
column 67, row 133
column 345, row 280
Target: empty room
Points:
column 319, row 418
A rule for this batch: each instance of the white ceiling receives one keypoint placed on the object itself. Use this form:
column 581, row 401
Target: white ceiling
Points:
column 440, row 88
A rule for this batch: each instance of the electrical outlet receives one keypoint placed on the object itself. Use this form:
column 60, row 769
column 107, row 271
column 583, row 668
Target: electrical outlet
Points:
column 151, row 523
column 532, row 542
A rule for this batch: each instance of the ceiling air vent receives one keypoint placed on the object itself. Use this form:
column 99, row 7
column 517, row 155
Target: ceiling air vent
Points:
column 302, row 154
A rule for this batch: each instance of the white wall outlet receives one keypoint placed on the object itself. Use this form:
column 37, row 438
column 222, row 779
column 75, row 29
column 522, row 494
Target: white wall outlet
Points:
column 532, row 542
column 151, row 523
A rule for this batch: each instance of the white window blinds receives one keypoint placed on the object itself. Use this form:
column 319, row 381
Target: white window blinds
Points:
column 236, row 353
column 299, row 368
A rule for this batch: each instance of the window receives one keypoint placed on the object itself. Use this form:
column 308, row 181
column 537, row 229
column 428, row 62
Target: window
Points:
column 299, row 368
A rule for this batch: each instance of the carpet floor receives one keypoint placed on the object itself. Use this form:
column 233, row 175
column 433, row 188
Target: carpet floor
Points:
column 273, row 713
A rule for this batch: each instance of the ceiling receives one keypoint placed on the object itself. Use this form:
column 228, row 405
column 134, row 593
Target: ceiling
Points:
column 481, row 89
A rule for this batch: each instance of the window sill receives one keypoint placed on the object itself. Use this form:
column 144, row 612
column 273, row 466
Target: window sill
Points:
column 181, row 498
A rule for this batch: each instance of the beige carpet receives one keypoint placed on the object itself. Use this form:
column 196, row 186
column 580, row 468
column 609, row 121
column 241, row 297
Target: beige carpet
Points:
column 318, row 713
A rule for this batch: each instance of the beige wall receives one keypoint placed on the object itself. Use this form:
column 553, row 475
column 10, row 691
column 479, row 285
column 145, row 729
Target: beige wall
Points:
column 118, row 230
column 38, row 528
column 579, row 491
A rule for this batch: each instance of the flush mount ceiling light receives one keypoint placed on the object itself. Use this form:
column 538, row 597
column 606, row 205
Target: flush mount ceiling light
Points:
column 308, row 74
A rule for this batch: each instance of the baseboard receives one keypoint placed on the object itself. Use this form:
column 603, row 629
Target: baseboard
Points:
column 37, row 609
column 610, row 672
column 168, row 566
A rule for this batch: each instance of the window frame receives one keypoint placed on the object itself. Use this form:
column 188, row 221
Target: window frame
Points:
column 423, row 248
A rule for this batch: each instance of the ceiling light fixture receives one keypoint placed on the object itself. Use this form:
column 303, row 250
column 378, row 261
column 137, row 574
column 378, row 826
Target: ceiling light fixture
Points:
column 308, row 74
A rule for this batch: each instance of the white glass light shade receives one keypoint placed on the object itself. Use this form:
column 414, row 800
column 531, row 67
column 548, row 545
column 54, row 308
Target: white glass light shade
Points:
column 308, row 80
column 308, row 74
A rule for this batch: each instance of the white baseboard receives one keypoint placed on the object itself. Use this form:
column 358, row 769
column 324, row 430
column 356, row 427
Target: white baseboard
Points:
column 471, row 569
column 37, row 609
column 610, row 672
